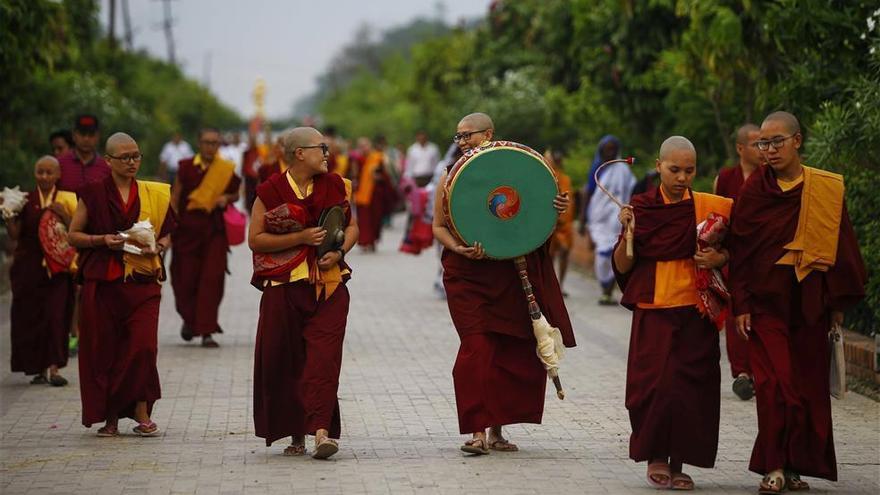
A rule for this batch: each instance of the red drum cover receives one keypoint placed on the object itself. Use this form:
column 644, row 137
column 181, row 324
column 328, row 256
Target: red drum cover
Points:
column 57, row 250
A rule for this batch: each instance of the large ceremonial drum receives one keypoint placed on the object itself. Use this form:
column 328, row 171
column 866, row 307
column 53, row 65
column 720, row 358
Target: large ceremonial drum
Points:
column 501, row 195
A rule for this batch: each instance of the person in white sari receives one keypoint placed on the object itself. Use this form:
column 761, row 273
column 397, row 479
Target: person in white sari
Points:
column 601, row 214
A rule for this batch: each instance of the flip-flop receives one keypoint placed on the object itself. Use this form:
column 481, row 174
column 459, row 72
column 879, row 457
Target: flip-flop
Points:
column 659, row 469
column 108, row 431
column 294, row 450
column 148, row 429
column 471, row 447
column 502, row 445
column 681, row 481
column 326, row 448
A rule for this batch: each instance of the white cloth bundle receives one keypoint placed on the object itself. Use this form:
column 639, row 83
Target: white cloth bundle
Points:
column 13, row 202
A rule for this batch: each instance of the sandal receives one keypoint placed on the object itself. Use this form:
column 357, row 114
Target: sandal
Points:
column 148, row 429
column 107, row 431
column 39, row 380
column 771, row 485
column 502, row 445
column 657, row 470
column 209, row 342
column 325, row 448
column 794, row 483
column 681, row 481
column 294, row 450
column 476, row 446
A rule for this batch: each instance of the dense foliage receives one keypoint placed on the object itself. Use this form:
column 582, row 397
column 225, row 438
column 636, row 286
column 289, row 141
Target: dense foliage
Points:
column 56, row 64
column 562, row 73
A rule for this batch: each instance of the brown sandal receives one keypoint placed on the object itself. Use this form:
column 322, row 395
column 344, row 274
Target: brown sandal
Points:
column 108, row 431
column 294, row 450
column 325, row 448
column 657, row 469
column 502, row 445
column 476, row 446
column 794, row 483
column 681, row 481
column 771, row 485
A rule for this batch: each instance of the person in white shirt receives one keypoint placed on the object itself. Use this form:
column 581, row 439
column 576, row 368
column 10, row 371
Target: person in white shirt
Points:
column 233, row 150
column 175, row 150
column 421, row 158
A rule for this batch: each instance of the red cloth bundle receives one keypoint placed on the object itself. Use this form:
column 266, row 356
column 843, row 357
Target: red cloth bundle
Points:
column 283, row 219
column 714, row 298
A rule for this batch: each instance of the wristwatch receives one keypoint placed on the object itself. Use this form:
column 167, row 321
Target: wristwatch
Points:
column 341, row 253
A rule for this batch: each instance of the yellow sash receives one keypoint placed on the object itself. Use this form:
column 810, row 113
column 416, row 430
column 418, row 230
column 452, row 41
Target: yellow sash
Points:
column 214, row 183
column 674, row 280
column 364, row 194
column 814, row 246
column 154, row 197
column 68, row 201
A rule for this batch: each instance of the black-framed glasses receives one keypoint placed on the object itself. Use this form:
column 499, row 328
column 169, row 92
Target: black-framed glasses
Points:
column 132, row 158
column 325, row 149
column 777, row 142
column 465, row 135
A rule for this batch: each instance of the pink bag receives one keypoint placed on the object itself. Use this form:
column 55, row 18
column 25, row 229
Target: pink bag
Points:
column 236, row 222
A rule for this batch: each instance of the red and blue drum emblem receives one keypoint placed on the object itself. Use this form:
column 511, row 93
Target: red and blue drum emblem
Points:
column 504, row 202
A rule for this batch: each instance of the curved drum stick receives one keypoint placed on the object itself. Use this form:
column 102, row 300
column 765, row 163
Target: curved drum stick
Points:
column 628, row 233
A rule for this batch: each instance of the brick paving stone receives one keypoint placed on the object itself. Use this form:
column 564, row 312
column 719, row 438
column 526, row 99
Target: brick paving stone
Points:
column 400, row 433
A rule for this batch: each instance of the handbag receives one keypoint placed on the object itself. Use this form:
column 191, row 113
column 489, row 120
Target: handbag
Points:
column 837, row 372
column 236, row 223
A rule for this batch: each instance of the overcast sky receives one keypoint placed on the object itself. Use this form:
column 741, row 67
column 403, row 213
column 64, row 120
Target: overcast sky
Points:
column 286, row 42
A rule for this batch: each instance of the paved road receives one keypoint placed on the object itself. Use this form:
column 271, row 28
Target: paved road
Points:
column 400, row 431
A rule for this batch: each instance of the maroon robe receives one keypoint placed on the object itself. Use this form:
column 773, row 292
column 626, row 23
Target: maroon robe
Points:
column 267, row 170
column 251, row 177
column 788, row 345
column 42, row 305
column 498, row 377
column 730, row 181
column 119, row 319
column 673, row 371
column 298, row 355
column 198, row 263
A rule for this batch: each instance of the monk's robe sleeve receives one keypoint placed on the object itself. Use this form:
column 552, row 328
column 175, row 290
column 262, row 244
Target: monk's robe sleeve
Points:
column 740, row 298
column 169, row 225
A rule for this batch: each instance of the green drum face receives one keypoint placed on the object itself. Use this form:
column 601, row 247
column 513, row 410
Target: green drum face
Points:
column 502, row 197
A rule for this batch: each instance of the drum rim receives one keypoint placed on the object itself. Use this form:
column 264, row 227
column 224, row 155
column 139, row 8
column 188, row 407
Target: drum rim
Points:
column 463, row 162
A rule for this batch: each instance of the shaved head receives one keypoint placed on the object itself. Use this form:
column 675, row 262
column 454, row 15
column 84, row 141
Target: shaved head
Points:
column 117, row 140
column 676, row 143
column 742, row 134
column 298, row 137
column 789, row 121
column 478, row 121
column 48, row 160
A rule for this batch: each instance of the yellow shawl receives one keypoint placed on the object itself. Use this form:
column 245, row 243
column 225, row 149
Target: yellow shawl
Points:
column 154, row 197
column 367, row 178
column 814, row 246
column 214, row 183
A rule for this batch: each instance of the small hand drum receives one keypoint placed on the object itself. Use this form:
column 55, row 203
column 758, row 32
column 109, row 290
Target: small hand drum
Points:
column 333, row 221
column 501, row 195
